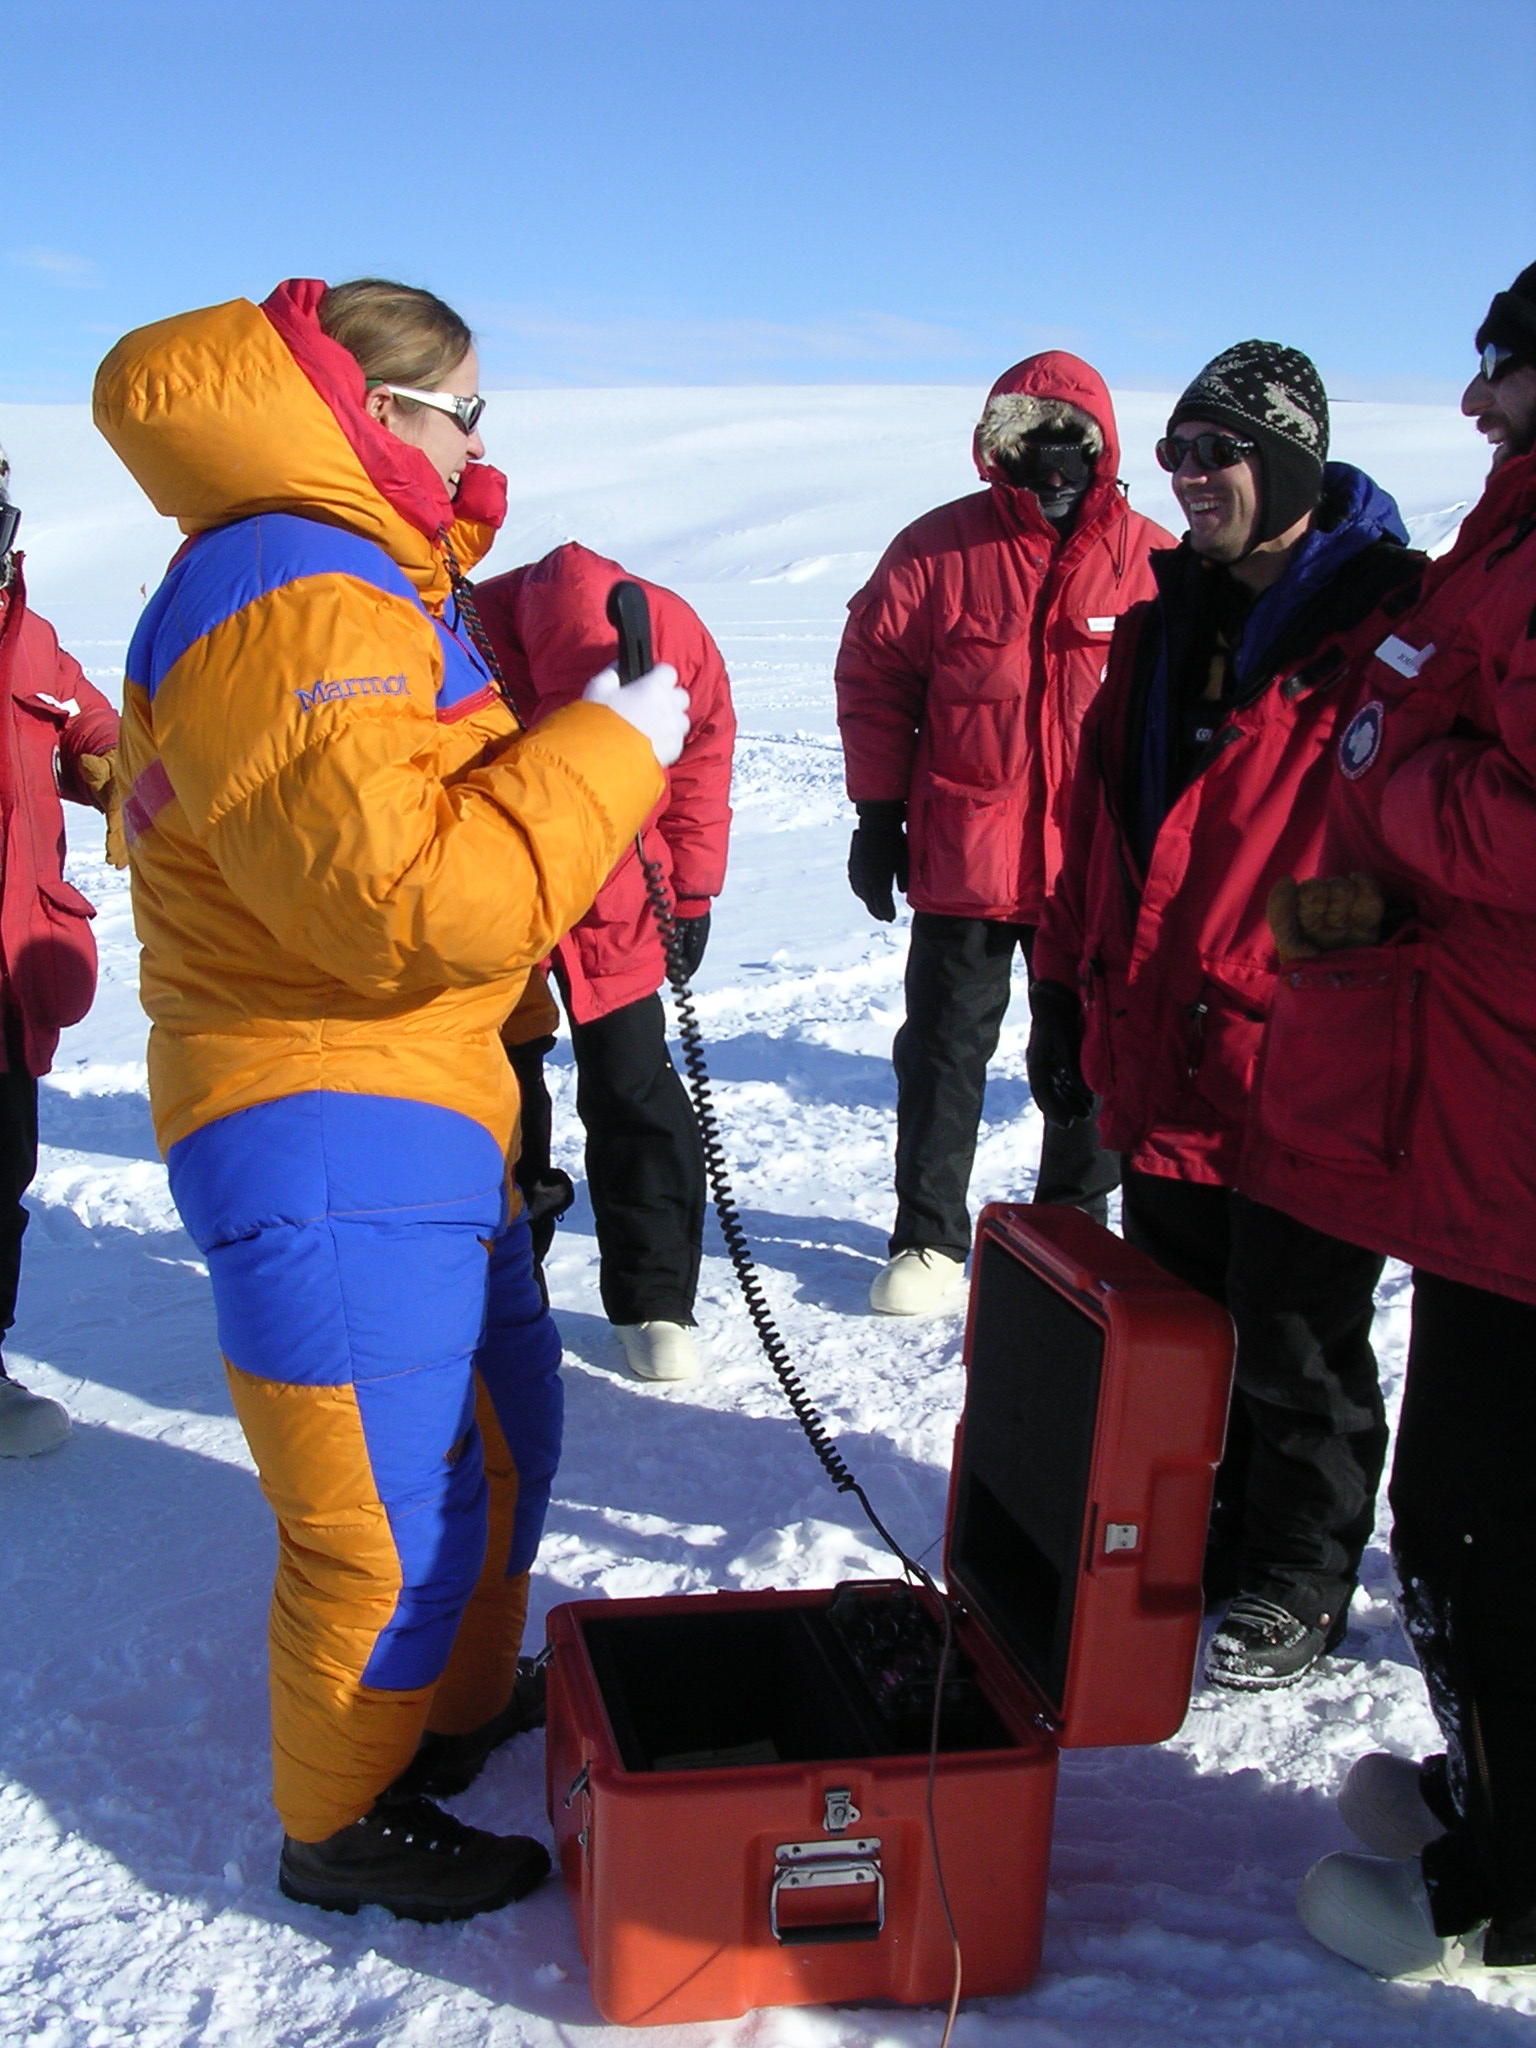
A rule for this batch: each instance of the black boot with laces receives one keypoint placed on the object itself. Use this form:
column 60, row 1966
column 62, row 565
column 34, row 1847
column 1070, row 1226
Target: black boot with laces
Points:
column 1261, row 1645
column 416, row 1861
column 446, row 1765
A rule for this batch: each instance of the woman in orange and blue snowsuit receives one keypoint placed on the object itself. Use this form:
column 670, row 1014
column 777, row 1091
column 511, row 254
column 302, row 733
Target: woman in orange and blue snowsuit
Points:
column 346, row 860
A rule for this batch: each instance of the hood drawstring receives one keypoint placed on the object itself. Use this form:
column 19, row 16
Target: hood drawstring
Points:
column 1125, row 530
column 464, row 599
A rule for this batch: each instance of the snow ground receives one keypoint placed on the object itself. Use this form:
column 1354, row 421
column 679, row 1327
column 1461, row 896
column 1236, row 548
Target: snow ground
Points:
column 137, row 1845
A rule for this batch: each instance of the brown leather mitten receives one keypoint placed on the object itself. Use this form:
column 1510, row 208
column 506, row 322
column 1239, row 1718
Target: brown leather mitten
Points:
column 99, row 774
column 1341, row 910
column 1285, row 923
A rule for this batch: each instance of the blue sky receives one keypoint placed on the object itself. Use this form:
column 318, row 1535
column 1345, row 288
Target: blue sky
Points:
column 751, row 191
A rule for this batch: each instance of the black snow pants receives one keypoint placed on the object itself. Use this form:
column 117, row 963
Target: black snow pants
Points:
column 645, row 1165
column 1307, row 1435
column 1463, row 1496
column 958, row 974
column 18, row 1165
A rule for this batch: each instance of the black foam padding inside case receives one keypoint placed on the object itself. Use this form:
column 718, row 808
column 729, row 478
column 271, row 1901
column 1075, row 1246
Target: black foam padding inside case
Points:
column 1021, row 1501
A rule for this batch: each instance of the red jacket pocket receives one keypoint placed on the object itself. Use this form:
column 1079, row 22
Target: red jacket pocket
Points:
column 1342, row 1056
column 54, row 977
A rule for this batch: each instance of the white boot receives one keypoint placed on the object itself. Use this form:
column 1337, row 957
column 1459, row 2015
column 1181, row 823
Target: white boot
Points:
column 1374, row 1911
column 1381, row 1802
column 29, row 1423
column 659, row 1351
column 917, row 1283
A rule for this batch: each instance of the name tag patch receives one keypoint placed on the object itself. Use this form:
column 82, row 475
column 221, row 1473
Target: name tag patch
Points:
column 1102, row 625
column 1360, row 741
column 1399, row 656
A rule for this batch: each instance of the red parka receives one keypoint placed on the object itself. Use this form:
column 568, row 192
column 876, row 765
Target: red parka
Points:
column 1396, row 1093
column 1173, row 961
column 971, row 656
column 49, row 717
column 549, row 625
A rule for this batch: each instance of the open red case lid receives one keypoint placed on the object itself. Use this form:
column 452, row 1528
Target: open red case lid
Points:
column 1095, row 1411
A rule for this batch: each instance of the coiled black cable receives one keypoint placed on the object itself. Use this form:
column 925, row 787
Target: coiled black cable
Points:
column 731, row 1229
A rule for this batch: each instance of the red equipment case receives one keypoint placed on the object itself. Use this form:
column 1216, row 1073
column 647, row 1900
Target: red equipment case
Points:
column 738, row 1781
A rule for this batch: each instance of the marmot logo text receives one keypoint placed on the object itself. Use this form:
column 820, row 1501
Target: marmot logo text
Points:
column 352, row 686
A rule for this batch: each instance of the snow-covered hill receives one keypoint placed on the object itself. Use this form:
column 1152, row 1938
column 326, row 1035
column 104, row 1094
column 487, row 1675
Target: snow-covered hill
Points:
column 137, row 1845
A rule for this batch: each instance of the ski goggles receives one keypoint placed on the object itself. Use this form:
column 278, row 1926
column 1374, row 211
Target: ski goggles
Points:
column 1493, row 361
column 1211, row 451
column 1035, row 461
column 466, row 411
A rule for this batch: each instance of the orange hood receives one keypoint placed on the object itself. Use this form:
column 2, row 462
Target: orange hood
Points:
column 241, row 409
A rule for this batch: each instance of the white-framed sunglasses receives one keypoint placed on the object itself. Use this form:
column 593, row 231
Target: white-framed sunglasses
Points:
column 466, row 411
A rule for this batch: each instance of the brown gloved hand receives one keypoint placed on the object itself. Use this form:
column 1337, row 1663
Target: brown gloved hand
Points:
column 1324, row 915
column 99, row 774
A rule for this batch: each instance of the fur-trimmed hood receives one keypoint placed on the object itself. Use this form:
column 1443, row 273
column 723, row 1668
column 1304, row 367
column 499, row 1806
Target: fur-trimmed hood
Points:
column 1053, row 389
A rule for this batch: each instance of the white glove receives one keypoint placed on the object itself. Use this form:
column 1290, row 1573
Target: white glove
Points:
column 655, row 704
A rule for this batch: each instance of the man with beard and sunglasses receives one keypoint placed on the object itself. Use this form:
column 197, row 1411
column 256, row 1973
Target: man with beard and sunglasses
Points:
column 1397, row 1093
column 1202, row 779
column 968, row 662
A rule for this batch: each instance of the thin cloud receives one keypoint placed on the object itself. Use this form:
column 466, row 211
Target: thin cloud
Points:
column 529, row 342
column 77, row 273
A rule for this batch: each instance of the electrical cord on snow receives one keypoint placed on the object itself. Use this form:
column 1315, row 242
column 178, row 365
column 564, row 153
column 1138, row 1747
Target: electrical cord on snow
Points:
column 731, row 1229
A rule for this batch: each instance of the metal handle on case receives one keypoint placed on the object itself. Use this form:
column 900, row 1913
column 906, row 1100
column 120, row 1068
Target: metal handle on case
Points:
column 814, row 1866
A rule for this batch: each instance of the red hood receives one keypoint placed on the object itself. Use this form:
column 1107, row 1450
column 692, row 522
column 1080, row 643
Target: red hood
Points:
column 399, row 472
column 1055, row 374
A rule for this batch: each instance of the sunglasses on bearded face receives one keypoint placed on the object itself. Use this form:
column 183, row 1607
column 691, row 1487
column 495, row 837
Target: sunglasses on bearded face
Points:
column 1211, row 451
column 10, row 519
column 466, row 411
column 1493, row 361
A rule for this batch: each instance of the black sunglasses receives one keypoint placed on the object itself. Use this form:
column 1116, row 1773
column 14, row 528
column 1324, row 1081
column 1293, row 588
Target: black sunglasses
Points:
column 1493, row 361
column 1211, row 451
column 1033, row 461
column 10, row 519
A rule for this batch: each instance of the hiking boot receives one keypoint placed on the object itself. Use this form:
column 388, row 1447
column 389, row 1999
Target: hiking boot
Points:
column 659, row 1350
column 29, row 1422
column 1375, row 1912
column 1261, row 1645
column 446, row 1765
column 1395, row 1805
column 917, row 1283
column 416, row 1861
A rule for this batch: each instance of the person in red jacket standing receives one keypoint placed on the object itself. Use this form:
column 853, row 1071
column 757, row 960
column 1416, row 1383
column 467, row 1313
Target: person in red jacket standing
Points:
column 1203, row 779
column 57, row 735
column 548, row 623
column 966, row 666
column 1396, row 1099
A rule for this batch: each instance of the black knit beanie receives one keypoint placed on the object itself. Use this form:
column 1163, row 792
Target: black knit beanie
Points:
column 1274, row 397
column 1511, row 321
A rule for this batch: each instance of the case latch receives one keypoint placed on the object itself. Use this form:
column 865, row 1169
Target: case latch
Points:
column 800, row 1868
column 839, row 1812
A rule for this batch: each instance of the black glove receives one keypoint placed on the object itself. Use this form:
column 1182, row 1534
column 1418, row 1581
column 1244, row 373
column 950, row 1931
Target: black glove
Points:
column 877, row 857
column 692, row 938
column 1052, row 1057
column 546, row 1190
